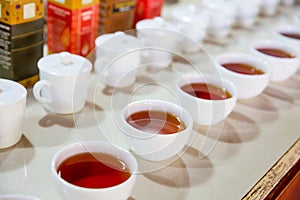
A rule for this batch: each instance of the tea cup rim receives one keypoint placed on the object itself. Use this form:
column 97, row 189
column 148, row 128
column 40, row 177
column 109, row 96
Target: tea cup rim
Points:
column 187, row 120
column 226, row 82
column 101, row 144
column 289, row 28
column 282, row 46
column 262, row 63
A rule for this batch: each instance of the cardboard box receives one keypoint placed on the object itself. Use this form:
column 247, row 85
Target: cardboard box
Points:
column 116, row 15
column 20, row 11
column 147, row 9
column 72, row 30
column 21, row 38
column 74, row 4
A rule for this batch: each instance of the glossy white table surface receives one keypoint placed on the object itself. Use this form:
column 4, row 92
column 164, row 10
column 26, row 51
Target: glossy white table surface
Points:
column 251, row 139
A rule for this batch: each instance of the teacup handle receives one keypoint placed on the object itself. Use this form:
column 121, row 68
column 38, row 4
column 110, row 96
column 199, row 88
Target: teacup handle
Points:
column 37, row 91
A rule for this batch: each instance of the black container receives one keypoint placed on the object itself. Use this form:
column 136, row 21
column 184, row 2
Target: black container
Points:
column 21, row 46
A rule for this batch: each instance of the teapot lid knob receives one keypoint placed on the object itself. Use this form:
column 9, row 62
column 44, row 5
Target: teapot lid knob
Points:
column 65, row 58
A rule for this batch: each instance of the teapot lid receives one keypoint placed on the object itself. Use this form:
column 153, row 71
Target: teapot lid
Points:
column 11, row 92
column 102, row 38
column 64, row 64
column 155, row 23
column 118, row 42
column 188, row 13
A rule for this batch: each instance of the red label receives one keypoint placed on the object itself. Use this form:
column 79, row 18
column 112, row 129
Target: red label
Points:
column 146, row 9
column 72, row 30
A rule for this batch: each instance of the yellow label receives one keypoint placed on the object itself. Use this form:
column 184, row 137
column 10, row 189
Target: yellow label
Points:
column 124, row 6
column 17, row 12
column 74, row 4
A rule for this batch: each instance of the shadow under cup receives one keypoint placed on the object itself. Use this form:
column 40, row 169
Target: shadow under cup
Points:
column 155, row 130
column 94, row 170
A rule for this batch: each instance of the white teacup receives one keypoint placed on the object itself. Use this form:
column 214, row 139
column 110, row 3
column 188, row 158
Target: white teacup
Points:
column 248, row 85
column 70, row 191
column 159, row 39
column 206, row 111
column 64, row 82
column 286, row 32
column 281, row 68
column 117, row 59
column 12, row 111
column 192, row 23
column 152, row 144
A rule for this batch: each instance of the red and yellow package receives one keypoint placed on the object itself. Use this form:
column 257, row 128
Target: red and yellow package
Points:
column 74, row 4
column 72, row 30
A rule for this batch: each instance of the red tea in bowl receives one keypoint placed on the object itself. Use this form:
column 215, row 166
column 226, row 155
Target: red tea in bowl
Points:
column 206, row 91
column 154, row 121
column 275, row 52
column 291, row 35
column 242, row 68
column 94, row 170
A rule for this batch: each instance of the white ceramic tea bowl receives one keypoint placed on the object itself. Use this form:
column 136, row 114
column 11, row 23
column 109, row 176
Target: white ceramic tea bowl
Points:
column 248, row 85
column 282, row 33
column 281, row 68
column 155, row 146
column 204, row 111
column 69, row 191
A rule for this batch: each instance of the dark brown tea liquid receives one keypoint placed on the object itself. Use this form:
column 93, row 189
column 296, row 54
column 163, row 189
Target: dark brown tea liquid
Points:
column 276, row 53
column 206, row 91
column 242, row 68
column 153, row 121
column 94, row 170
column 292, row 35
